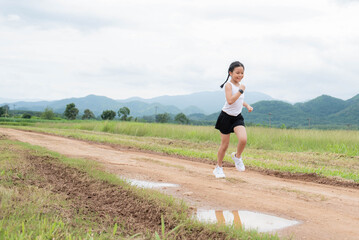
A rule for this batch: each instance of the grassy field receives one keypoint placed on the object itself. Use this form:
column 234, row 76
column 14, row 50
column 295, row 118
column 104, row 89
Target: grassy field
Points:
column 328, row 153
column 291, row 140
column 35, row 203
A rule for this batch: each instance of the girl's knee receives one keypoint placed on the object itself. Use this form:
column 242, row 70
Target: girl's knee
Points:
column 224, row 146
column 243, row 140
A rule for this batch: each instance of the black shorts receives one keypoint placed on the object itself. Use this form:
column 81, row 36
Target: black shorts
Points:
column 226, row 123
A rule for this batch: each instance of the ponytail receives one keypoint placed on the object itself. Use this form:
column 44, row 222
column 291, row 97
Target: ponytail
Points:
column 225, row 81
column 231, row 68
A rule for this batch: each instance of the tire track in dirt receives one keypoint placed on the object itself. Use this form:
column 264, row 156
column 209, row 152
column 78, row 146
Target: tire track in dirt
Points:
column 325, row 212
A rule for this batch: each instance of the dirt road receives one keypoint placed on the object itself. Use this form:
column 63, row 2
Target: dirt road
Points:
column 324, row 212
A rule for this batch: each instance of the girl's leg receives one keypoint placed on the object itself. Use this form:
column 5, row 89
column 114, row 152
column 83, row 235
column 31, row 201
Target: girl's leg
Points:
column 241, row 134
column 223, row 148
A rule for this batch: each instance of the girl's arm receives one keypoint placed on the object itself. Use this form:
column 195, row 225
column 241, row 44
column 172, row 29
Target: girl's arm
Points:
column 232, row 98
column 246, row 105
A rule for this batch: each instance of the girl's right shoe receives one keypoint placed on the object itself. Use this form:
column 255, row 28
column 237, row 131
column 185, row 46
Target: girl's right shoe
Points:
column 218, row 172
column 238, row 162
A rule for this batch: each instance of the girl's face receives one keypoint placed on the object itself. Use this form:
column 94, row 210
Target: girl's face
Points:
column 237, row 74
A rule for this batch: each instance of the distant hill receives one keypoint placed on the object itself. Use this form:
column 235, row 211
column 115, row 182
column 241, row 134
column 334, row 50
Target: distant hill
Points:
column 275, row 113
column 323, row 105
column 92, row 102
column 323, row 110
column 203, row 102
column 97, row 104
column 349, row 115
column 353, row 100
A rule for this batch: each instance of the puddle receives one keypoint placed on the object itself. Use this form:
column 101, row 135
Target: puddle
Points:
column 148, row 184
column 247, row 219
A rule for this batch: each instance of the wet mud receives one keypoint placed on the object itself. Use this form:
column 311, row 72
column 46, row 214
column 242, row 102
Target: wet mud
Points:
column 109, row 203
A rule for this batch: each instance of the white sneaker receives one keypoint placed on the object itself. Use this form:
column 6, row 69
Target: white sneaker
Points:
column 218, row 172
column 238, row 162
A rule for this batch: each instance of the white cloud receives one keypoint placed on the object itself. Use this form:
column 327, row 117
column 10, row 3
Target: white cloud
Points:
column 13, row 17
column 58, row 49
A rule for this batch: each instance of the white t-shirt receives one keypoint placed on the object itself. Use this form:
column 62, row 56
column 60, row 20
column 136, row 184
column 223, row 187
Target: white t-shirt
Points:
column 235, row 108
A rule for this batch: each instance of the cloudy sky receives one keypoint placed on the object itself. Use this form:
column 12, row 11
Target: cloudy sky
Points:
column 292, row 50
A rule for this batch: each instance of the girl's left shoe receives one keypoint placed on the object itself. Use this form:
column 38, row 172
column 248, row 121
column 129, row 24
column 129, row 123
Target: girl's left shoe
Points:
column 218, row 172
column 238, row 162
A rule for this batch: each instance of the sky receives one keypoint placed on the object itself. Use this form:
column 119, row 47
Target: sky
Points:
column 292, row 50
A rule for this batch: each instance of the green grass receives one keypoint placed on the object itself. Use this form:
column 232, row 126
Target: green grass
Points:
column 30, row 212
column 290, row 140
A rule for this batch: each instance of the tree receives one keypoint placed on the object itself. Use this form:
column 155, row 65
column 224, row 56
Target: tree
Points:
column 48, row 114
column 123, row 113
column 88, row 114
column 4, row 111
column 71, row 111
column 181, row 118
column 163, row 118
column 108, row 115
column 26, row 115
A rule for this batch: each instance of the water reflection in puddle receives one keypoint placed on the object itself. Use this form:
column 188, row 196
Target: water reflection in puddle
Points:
column 147, row 184
column 249, row 220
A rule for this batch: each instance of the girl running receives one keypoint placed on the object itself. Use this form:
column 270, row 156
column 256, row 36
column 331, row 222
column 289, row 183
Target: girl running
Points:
column 231, row 120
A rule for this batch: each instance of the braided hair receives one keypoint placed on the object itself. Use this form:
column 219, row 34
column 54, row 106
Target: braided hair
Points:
column 231, row 68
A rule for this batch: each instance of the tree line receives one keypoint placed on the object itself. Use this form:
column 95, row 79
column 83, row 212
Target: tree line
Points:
column 72, row 113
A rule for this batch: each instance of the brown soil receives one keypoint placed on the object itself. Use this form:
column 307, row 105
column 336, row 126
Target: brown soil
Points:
column 101, row 201
column 324, row 211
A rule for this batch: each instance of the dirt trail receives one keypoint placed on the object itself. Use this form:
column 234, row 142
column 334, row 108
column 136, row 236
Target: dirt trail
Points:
column 324, row 212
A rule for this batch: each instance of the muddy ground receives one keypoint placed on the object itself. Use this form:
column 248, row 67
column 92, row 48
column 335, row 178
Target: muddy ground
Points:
column 324, row 211
column 103, row 202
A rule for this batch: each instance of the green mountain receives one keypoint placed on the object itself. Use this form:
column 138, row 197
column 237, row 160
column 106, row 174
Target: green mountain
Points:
column 202, row 102
column 324, row 111
column 97, row 104
column 276, row 113
column 353, row 100
column 348, row 116
column 322, row 106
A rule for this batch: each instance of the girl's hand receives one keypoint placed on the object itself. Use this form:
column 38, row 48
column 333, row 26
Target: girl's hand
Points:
column 250, row 109
column 242, row 87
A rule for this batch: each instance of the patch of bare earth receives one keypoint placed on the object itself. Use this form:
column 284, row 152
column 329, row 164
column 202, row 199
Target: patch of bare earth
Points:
column 310, row 177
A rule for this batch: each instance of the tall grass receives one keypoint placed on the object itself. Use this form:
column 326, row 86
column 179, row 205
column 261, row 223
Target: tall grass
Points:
column 290, row 140
column 302, row 140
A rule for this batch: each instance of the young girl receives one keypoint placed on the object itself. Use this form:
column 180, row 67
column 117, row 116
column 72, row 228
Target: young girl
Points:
column 230, row 119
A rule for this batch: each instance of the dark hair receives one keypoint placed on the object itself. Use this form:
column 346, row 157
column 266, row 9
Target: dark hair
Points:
column 231, row 68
